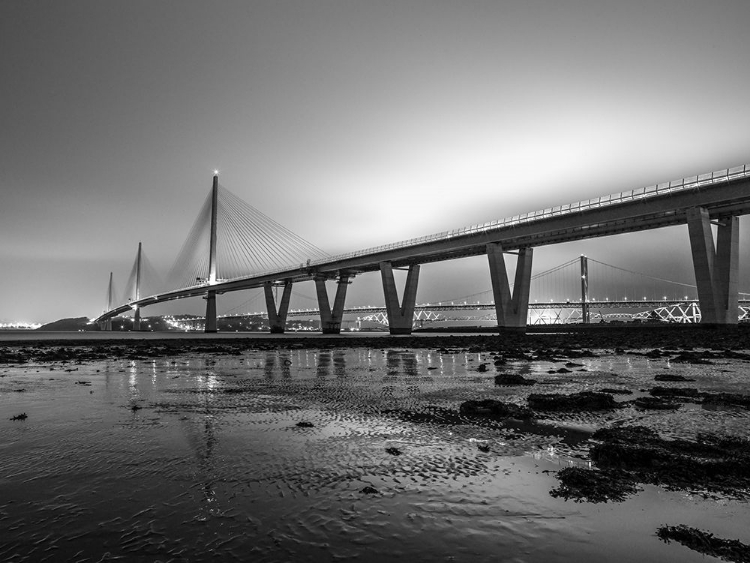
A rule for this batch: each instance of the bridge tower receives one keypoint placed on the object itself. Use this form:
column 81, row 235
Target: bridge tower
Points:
column 211, row 295
column 137, row 312
column 716, row 267
column 512, row 309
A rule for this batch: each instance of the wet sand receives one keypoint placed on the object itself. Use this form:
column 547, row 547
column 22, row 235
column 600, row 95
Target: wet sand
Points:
column 318, row 448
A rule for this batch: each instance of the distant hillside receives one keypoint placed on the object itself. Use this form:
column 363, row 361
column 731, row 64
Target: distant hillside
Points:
column 79, row 323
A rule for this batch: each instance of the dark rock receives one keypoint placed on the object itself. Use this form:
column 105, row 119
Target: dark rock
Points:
column 671, row 377
column 22, row 416
column 705, row 543
column 305, row 424
column 583, row 401
column 368, row 490
column 393, row 451
column 655, row 403
column 512, row 379
column 612, row 391
column 497, row 410
column 713, row 463
column 589, row 485
column 674, row 392
column 701, row 358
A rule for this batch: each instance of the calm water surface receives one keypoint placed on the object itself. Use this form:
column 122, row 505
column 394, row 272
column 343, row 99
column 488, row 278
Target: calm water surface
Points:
column 200, row 458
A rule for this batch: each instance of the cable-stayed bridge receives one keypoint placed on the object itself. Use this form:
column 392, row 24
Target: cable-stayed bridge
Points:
column 232, row 246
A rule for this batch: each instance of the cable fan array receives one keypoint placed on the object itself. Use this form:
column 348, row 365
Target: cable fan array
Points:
column 248, row 243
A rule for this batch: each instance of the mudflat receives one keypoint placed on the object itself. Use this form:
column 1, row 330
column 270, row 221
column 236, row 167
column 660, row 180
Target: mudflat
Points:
column 596, row 445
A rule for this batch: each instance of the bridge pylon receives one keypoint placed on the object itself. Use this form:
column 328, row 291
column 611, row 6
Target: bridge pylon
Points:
column 137, row 296
column 211, row 295
column 512, row 309
column 107, row 324
column 716, row 268
column 400, row 315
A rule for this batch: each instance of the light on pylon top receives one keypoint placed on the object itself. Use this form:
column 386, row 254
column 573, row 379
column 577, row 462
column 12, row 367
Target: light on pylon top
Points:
column 216, row 172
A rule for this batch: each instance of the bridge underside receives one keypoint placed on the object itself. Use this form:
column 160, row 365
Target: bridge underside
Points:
column 718, row 200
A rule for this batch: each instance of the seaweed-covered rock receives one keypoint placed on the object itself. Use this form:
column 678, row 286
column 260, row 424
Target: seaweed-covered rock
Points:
column 734, row 399
column 613, row 391
column 699, row 358
column 655, row 403
column 705, row 543
column 671, row 377
column 583, row 401
column 428, row 415
column 491, row 408
column 691, row 392
column 512, row 379
column 713, row 463
column 589, row 485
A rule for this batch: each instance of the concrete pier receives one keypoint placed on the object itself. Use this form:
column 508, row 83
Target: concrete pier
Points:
column 330, row 319
column 277, row 317
column 716, row 268
column 400, row 316
column 210, row 311
column 512, row 309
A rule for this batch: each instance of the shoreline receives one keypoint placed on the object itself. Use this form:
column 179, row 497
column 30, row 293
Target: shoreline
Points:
column 735, row 337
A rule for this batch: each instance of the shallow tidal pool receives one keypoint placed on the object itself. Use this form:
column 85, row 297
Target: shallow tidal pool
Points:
column 305, row 455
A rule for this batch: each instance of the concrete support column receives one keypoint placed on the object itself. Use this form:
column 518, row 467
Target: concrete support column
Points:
column 716, row 269
column 330, row 319
column 400, row 316
column 277, row 317
column 137, row 319
column 107, row 324
column 512, row 310
column 210, row 312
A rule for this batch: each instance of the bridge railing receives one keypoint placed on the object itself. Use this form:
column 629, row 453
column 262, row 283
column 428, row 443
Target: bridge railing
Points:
column 691, row 182
column 688, row 183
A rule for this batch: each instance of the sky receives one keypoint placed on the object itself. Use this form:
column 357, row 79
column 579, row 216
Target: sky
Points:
column 352, row 123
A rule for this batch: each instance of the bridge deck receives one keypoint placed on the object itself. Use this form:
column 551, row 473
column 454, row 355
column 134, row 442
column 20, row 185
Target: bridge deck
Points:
column 723, row 194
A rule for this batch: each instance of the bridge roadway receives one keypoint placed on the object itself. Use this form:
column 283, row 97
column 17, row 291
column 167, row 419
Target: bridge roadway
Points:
column 718, row 195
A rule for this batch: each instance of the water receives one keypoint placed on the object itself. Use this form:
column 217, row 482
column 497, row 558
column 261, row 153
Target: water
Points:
column 199, row 457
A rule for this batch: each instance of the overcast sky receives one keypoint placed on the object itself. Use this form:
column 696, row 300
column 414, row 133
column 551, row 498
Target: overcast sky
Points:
column 353, row 123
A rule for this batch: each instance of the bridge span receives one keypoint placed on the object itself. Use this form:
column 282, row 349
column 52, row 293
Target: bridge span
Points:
column 716, row 198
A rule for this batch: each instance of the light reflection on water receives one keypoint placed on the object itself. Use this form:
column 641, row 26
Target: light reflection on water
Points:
column 213, row 466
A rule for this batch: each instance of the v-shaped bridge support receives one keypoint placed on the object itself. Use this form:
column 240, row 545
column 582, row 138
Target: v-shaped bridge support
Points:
column 330, row 319
column 400, row 315
column 512, row 309
column 716, row 269
column 277, row 317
